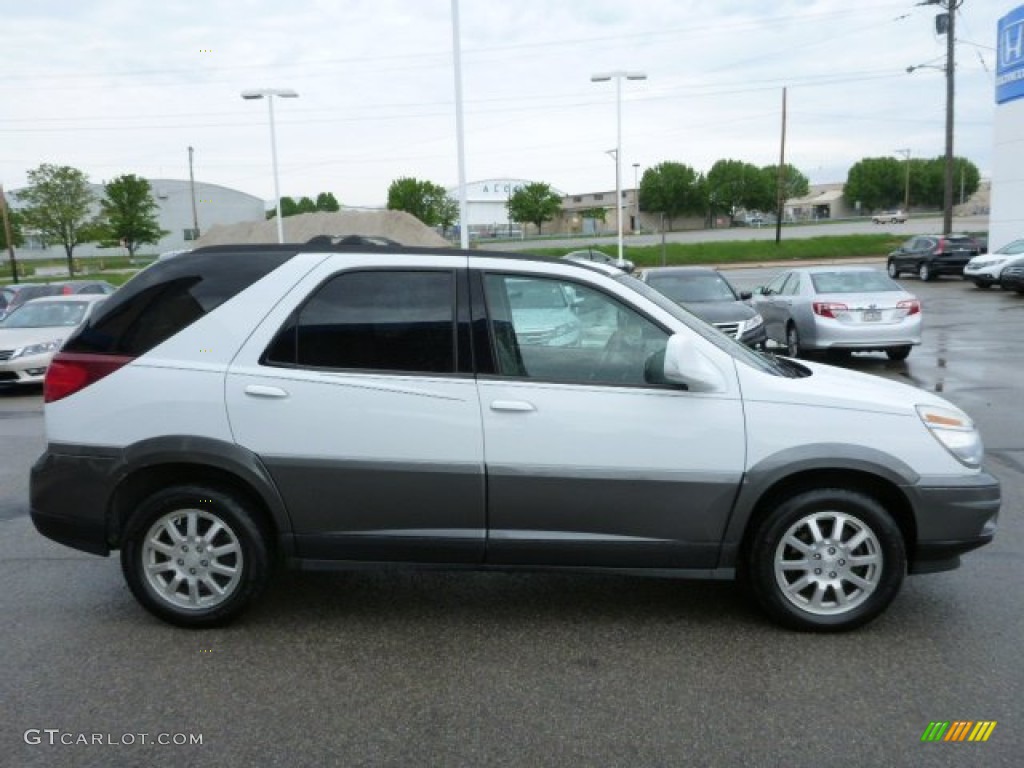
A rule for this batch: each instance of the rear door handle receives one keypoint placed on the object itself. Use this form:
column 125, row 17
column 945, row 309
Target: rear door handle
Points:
column 258, row 390
column 512, row 406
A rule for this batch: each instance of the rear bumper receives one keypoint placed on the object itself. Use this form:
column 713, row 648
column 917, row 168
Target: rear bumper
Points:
column 830, row 334
column 953, row 517
column 69, row 493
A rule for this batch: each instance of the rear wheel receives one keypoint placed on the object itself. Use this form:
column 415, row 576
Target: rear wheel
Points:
column 924, row 271
column 826, row 560
column 194, row 556
column 792, row 341
column 892, row 269
column 898, row 353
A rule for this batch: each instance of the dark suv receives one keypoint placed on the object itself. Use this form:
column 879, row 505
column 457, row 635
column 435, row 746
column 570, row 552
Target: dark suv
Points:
column 929, row 256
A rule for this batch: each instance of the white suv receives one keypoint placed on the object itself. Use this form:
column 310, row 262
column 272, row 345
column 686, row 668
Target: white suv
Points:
column 353, row 405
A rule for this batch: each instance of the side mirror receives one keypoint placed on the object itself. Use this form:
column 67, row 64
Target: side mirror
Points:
column 746, row 295
column 682, row 362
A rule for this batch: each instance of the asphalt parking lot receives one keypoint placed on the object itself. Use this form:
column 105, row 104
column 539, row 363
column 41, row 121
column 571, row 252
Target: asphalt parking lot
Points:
column 458, row 669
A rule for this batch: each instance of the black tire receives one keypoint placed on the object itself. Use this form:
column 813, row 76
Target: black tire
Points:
column 924, row 271
column 898, row 353
column 892, row 269
column 792, row 341
column 982, row 284
column 839, row 355
column 221, row 521
column 779, row 591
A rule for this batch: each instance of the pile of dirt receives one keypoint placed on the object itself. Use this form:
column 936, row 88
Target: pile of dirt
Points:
column 394, row 225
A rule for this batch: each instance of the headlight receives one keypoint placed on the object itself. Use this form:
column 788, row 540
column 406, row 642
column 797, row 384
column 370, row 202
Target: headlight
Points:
column 38, row 349
column 955, row 430
column 751, row 323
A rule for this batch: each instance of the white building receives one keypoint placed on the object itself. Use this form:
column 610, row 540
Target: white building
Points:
column 487, row 206
column 214, row 204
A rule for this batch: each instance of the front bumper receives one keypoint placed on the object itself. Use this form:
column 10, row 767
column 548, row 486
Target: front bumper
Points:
column 953, row 516
column 25, row 370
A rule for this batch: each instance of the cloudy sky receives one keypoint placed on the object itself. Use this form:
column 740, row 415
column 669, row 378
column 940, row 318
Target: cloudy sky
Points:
column 126, row 86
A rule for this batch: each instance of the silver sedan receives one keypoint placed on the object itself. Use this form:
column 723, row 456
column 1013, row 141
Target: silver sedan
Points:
column 839, row 310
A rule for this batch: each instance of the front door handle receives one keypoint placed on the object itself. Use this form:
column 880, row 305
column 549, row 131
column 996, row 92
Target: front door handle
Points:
column 257, row 390
column 512, row 406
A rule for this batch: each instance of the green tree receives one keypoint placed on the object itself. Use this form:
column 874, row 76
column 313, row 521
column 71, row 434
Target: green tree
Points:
column 447, row 208
column 535, row 203
column 129, row 213
column 733, row 184
column 306, row 205
column 672, row 189
column 875, row 182
column 423, row 199
column 928, row 180
column 326, row 201
column 794, row 185
column 58, row 206
column 16, row 232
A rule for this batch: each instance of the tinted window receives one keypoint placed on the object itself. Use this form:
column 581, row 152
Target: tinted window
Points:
column 382, row 321
column 169, row 296
column 692, row 286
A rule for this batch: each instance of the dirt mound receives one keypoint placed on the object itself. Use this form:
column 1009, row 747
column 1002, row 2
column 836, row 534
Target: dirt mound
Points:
column 395, row 225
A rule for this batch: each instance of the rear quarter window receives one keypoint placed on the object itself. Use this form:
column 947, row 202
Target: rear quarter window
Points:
column 169, row 296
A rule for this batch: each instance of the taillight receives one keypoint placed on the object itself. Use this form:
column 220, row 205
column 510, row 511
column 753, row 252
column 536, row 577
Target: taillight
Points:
column 828, row 308
column 913, row 306
column 66, row 290
column 70, row 372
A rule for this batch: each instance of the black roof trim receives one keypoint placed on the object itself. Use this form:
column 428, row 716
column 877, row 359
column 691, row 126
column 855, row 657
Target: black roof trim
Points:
column 353, row 246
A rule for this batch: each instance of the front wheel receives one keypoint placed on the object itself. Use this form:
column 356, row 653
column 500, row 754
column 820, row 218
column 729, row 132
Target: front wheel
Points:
column 892, row 269
column 826, row 560
column 194, row 555
column 924, row 271
column 983, row 284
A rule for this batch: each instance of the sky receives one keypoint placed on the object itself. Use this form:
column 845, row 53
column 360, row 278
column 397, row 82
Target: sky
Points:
column 126, row 86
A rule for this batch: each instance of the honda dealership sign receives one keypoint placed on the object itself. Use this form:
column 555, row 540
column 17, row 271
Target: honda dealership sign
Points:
column 1010, row 57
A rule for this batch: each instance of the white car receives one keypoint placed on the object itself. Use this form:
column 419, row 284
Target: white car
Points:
column 343, row 407
column 889, row 217
column 985, row 269
column 31, row 335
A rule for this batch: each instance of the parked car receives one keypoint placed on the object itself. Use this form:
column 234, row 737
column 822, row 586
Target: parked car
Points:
column 889, row 217
column 543, row 313
column 984, row 270
column 708, row 295
column 592, row 254
column 13, row 296
column 1012, row 276
column 87, row 287
column 34, row 331
column 929, row 256
column 352, row 407
column 839, row 310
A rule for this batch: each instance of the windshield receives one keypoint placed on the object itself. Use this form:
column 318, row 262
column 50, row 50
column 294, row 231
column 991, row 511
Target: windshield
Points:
column 1017, row 246
column 866, row 281
column 692, row 287
column 741, row 352
column 46, row 314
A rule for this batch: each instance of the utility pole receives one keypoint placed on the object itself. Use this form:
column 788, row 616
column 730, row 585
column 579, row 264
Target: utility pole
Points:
column 947, row 192
column 780, row 193
column 192, row 187
column 9, row 234
column 906, row 181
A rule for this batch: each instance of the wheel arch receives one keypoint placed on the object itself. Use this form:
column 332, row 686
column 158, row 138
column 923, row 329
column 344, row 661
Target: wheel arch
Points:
column 870, row 472
column 166, row 461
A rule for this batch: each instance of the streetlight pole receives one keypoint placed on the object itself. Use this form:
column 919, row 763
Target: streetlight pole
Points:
column 906, row 182
column 636, row 196
column 269, row 94
column 618, row 77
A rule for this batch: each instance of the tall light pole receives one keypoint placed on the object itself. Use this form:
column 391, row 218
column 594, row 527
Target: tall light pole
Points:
column 636, row 196
column 269, row 94
column 618, row 76
column 906, row 181
column 192, row 192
